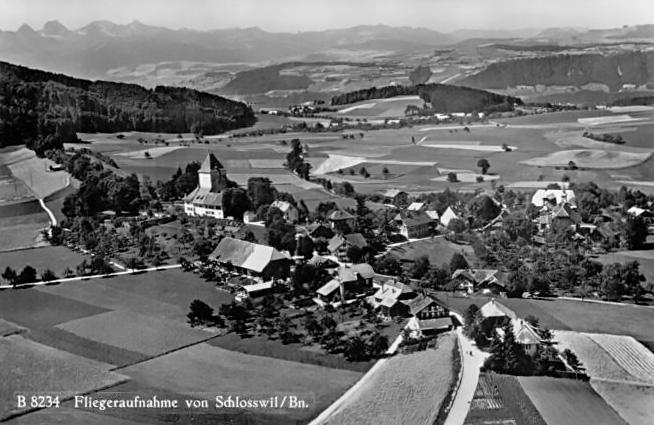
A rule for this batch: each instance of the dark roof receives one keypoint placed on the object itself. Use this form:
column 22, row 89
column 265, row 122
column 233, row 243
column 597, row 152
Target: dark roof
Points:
column 435, row 324
column 356, row 239
column 210, row 163
column 416, row 219
column 419, row 303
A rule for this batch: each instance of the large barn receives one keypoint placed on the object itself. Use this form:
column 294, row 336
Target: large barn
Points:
column 252, row 259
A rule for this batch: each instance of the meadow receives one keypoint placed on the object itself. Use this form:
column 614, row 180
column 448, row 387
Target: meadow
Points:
column 632, row 402
column 407, row 389
column 204, row 368
column 36, row 368
column 439, row 250
column 55, row 258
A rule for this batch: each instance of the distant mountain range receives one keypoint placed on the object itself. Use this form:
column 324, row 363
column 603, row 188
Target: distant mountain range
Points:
column 100, row 46
column 94, row 49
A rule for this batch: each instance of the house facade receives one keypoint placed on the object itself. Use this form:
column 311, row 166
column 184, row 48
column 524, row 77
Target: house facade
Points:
column 251, row 259
column 290, row 211
column 206, row 199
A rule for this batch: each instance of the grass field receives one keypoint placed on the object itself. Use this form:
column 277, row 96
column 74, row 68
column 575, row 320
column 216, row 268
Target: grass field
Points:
column 38, row 369
column 24, row 231
column 632, row 402
column 8, row 328
column 645, row 260
column 439, row 250
column 407, row 389
column 567, row 401
column 147, row 335
column 507, row 405
column 579, row 316
column 55, row 258
column 204, row 368
column 34, row 172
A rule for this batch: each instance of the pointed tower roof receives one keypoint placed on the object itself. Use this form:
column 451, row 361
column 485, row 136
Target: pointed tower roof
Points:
column 210, row 163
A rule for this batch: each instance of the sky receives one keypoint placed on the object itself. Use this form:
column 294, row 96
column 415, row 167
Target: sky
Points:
column 306, row 15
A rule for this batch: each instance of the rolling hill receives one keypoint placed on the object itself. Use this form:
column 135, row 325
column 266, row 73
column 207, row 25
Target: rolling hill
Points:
column 43, row 109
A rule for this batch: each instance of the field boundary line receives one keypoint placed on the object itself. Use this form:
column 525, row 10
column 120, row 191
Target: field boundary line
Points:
column 95, row 276
column 455, row 390
column 566, row 298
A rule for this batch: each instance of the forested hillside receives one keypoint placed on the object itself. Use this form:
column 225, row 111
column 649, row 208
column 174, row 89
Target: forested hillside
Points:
column 43, row 109
column 443, row 98
column 568, row 70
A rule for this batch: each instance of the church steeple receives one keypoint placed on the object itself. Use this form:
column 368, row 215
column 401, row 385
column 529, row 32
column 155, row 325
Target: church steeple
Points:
column 212, row 174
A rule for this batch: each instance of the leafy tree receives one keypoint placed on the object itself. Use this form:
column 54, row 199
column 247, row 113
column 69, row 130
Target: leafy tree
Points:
column 485, row 209
column 27, row 275
column 458, row 261
column 260, row 191
column 235, row 202
column 355, row 349
column 634, row 232
column 457, row 225
column 484, row 165
column 200, row 313
column 48, row 275
column 10, row 275
column 420, row 267
column 378, row 345
column 452, row 177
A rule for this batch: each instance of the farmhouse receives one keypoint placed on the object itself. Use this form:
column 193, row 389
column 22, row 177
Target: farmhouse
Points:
column 391, row 297
column 348, row 283
column 254, row 291
column 339, row 244
column 428, row 317
column 341, row 220
column 291, row 213
column 413, row 225
column 552, row 197
column 251, row 259
column 646, row 215
column 496, row 315
column 473, row 280
column 560, row 216
column 206, row 199
column 448, row 216
column 395, row 196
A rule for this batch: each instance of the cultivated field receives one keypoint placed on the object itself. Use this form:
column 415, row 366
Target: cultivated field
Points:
column 204, row 368
column 567, row 401
column 590, row 158
column 407, row 389
column 500, row 399
column 391, row 107
column 8, row 328
column 39, row 369
column 22, row 231
column 632, row 402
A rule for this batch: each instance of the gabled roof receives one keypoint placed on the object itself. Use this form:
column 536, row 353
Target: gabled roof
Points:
column 364, row 270
column 432, row 214
column 524, row 332
column 434, row 324
column 416, row 206
column 636, row 211
column 556, row 195
column 257, row 287
column 388, row 293
column 340, row 215
column 565, row 210
column 448, row 215
column 210, row 163
column 328, row 287
column 475, row 275
column 283, row 206
column 494, row 309
column 356, row 239
column 247, row 255
column 205, row 197
column 415, row 219
column 419, row 303
column 391, row 193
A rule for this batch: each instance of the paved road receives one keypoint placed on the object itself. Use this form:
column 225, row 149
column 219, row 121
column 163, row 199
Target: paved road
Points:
column 470, row 366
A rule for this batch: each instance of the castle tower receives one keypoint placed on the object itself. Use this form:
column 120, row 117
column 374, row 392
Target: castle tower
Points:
column 212, row 174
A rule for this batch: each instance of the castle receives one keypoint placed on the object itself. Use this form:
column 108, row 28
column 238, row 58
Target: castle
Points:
column 206, row 199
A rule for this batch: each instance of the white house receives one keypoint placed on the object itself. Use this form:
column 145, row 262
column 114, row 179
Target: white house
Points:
column 291, row 213
column 206, row 199
column 551, row 197
column 448, row 215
